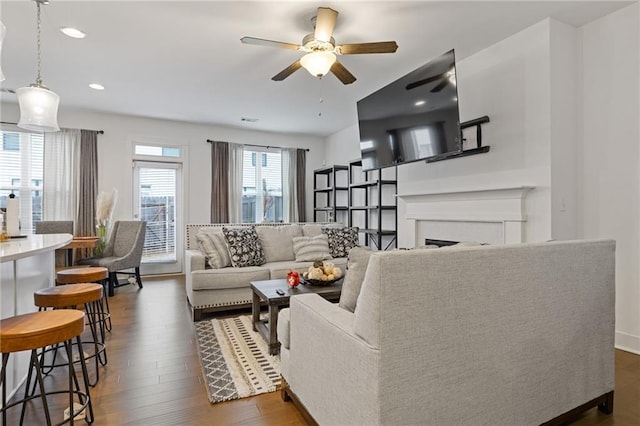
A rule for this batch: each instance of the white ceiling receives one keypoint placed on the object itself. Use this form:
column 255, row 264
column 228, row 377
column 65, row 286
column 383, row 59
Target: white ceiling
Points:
column 183, row 60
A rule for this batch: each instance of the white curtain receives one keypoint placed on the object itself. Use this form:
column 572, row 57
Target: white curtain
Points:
column 60, row 175
column 235, row 182
column 289, row 185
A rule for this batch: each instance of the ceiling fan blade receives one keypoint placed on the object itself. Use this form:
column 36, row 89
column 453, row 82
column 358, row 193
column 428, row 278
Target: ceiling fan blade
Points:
column 376, row 47
column 269, row 43
column 325, row 23
column 287, row 71
column 425, row 81
column 342, row 73
column 440, row 86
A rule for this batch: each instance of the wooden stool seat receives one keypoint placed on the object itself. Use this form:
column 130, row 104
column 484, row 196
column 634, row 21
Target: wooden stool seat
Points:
column 67, row 295
column 39, row 329
column 82, row 275
column 30, row 332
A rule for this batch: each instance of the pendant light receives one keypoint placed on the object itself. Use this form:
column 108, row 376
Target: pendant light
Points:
column 38, row 104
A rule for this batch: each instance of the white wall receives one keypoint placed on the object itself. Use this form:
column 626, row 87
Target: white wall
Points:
column 565, row 129
column 610, row 169
column 115, row 153
column 564, row 110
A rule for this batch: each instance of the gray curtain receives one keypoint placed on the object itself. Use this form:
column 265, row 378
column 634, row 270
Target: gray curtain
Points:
column 301, row 171
column 219, row 182
column 87, row 186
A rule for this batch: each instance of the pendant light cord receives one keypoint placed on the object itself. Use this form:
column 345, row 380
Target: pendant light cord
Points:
column 38, row 79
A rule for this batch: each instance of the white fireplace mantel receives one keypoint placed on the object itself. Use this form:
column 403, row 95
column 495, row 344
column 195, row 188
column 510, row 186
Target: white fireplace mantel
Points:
column 437, row 213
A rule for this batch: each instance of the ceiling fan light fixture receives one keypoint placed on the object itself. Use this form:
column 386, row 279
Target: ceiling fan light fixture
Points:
column 318, row 63
column 38, row 104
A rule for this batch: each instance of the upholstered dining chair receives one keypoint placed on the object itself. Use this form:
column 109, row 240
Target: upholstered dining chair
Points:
column 122, row 252
column 56, row 227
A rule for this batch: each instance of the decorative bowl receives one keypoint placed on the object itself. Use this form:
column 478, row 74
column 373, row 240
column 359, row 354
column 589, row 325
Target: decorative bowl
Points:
column 304, row 280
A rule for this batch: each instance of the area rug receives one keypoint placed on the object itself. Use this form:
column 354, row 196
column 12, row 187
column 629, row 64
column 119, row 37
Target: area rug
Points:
column 235, row 359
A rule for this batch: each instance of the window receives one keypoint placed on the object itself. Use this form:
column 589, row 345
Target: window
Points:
column 10, row 141
column 264, row 159
column 21, row 160
column 158, row 151
column 261, row 186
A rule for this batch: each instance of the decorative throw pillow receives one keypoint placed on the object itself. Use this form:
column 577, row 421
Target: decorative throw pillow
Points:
column 206, row 247
column 277, row 241
column 356, row 268
column 341, row 240
column 212, row 244
column 310, row 249
column 244, row 246
column 312, row 229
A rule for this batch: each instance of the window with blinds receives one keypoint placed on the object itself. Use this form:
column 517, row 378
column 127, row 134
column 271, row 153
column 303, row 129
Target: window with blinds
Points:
column 21, row 173
column 262, row 186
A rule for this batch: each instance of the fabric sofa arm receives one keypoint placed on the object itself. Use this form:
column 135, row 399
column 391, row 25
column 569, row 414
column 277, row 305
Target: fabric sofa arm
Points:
column 194, row 260
column 328, row 361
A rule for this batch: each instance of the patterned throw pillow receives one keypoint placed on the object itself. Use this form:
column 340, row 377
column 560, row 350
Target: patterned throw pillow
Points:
column 341, row 240
column 244, row 246
column 310, row 249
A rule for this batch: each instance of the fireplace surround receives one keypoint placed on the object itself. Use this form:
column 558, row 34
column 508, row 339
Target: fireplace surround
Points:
column 494, row 215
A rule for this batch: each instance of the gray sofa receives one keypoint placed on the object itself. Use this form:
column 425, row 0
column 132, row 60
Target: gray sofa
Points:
column 210, row 289
column 492, row 335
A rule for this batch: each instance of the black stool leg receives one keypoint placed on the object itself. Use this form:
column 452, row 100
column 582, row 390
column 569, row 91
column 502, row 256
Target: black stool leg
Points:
column 138, row 279
column 3, row 378
column 72, row 376
column 113, row 281
column 36, row 364
column 105, row 284
column 85, row 376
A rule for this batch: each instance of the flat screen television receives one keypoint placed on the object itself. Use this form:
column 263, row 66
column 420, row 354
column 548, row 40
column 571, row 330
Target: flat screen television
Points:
column 414, row 118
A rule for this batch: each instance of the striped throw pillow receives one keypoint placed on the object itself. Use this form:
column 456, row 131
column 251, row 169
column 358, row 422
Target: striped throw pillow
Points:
column 310, row 249
column 212, row 245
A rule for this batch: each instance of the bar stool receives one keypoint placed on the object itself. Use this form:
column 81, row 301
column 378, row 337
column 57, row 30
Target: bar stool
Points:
column 88, row 274
column 30, row 332
column 70, row 296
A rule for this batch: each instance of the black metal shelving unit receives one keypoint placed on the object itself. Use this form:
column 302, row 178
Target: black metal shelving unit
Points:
column 326, row 187
column 373, row 183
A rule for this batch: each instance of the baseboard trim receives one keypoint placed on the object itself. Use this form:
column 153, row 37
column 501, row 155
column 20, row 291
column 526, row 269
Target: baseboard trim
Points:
column 627, row 342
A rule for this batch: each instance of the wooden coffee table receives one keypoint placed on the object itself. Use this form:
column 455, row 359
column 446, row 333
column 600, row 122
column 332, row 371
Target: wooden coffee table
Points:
column 266, row 291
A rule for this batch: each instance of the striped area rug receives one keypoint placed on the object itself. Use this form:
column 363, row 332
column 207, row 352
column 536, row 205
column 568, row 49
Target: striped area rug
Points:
column 235, row 359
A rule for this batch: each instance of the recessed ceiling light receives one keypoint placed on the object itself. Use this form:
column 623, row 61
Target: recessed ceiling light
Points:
column 73, row 32
column 96, row 86
column 420, row 102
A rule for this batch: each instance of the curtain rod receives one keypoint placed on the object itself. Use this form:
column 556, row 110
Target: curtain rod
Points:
column 100, row 132
column 261, row 146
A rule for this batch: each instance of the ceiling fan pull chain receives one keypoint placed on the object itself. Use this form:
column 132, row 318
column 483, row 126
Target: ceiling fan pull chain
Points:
column 321, row 99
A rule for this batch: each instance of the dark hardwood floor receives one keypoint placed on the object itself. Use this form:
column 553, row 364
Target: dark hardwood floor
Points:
column 154, row 378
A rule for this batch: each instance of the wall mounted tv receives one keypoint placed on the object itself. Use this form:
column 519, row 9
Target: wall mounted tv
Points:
column 414, row 118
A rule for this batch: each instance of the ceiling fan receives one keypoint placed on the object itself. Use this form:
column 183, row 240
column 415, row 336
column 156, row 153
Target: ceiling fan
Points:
column 321, row 49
